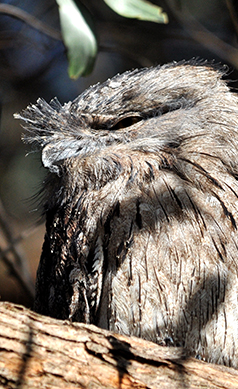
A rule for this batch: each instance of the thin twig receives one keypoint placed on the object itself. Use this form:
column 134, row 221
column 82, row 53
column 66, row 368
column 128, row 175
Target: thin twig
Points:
column 16, row 272
column 30, row 20
column 18, row 267
column 22, row 236
column 233, row 15
column 200, row 34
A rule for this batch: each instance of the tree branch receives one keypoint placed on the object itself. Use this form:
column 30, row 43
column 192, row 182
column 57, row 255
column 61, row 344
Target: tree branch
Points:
column 203, row 36
column 39, row 352
column 17, row 265
column 31, row 20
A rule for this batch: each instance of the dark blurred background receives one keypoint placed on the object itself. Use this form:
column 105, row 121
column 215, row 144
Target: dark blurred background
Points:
column 34, row 64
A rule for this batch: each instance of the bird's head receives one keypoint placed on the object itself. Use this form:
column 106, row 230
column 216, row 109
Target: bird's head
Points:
column 143, row 109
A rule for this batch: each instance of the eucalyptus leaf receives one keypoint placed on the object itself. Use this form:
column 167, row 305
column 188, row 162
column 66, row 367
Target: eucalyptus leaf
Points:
column 78, row 38
column 138, row 9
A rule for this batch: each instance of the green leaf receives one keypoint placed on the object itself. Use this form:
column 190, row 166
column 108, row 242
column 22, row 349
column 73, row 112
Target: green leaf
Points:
column 78, row 38
column 138, row 9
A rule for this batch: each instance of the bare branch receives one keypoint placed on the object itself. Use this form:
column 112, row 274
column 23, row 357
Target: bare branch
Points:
column 30, row 20
column 200, row 34
column 18, row 266
column 39, row 352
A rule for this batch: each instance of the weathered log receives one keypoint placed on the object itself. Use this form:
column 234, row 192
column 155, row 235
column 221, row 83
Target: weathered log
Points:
column 40, row 352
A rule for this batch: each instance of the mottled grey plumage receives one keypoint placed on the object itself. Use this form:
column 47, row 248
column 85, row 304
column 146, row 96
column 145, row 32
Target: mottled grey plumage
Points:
column 141, row 206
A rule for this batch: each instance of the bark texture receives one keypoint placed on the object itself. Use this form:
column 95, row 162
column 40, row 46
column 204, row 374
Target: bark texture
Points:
column 42, row 352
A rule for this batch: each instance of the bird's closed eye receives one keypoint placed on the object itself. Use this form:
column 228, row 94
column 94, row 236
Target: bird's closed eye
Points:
column 162, row 110
column 125, row 122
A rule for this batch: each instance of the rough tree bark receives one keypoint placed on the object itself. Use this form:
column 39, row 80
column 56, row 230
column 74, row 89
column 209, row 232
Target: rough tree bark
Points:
column 41, row 352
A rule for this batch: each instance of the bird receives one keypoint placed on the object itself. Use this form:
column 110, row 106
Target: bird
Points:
column 141, row 206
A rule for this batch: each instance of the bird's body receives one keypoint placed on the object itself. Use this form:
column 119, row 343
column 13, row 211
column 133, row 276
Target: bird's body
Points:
column 141, row 208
